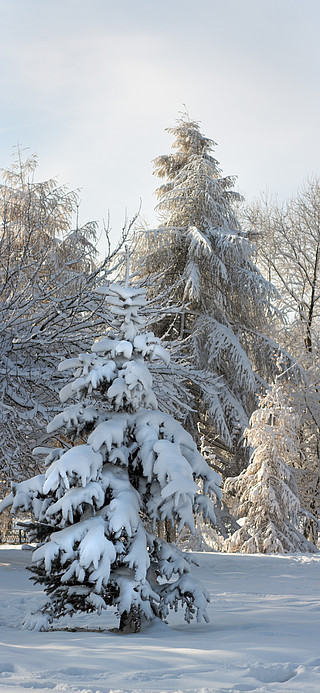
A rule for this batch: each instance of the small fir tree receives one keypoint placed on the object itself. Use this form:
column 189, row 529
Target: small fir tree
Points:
column 123, row 467
column 265, row 494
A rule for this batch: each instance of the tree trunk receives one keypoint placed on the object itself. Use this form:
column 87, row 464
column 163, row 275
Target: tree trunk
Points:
column 170, row 532
column 130, row 621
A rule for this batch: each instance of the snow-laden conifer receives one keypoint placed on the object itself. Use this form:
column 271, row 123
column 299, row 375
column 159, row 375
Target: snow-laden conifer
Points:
column 120, row 467
column 201, row 257
column 265, row 494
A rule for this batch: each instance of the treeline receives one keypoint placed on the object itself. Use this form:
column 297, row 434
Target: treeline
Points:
column 233, row 290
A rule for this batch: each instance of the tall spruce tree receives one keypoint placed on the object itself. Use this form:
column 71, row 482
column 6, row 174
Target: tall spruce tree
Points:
column 120, row 467
column 200, row 259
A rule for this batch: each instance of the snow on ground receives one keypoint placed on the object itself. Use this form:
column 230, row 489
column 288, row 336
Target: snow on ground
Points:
column 263, row 635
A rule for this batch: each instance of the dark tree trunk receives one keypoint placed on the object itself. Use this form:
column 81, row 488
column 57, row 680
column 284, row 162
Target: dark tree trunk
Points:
column 130, row 621
column 170, row 532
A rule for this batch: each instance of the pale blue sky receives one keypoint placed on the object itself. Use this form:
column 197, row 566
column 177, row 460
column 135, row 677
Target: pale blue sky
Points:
column 90, row 85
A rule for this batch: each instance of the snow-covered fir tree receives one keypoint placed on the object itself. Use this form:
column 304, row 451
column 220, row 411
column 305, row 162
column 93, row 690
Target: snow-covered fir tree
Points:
column 120, row 466
column 265, row 494
column 200, row 258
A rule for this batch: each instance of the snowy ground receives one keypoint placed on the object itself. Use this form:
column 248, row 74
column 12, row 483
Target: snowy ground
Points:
column 263, row 635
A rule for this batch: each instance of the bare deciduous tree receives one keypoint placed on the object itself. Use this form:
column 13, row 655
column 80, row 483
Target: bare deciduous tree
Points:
column 47, row 277
column 288, row 252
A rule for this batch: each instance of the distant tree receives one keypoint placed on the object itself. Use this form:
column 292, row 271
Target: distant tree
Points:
column 200, row 258
column 123, row 466
column 288, row 253
column 265, row 494
column 47, row 273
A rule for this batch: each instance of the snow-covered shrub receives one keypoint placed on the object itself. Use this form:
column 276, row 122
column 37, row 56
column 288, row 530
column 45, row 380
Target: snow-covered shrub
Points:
column 120, row 466
column 265, row 494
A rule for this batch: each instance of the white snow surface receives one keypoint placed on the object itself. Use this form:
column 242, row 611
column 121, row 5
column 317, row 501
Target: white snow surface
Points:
column 263, row 635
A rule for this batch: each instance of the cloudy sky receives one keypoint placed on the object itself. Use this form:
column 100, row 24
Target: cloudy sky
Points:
column 91, row 85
